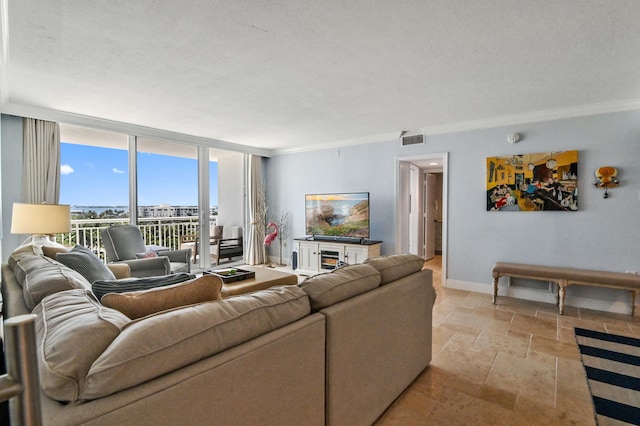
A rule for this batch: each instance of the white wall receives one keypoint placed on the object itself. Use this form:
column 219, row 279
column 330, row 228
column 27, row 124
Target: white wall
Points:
column 603, row 234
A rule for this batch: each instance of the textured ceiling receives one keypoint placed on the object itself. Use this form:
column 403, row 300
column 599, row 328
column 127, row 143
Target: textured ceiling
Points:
column 294, row 74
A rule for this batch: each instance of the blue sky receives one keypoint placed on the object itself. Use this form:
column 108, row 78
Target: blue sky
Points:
column 94, row 176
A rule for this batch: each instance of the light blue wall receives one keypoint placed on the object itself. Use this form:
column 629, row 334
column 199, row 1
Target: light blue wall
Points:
column 603, row 234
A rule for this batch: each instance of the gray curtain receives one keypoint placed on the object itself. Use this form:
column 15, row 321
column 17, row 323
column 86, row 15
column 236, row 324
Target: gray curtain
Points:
column 40, row 162
column 257, row 211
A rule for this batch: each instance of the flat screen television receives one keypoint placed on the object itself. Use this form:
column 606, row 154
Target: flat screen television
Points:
column 338, row 215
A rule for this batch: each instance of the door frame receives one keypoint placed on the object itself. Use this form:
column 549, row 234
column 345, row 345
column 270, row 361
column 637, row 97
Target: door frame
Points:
column 402, row 182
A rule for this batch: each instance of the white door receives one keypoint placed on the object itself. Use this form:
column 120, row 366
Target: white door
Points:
column 429, row 215
column 414, row 211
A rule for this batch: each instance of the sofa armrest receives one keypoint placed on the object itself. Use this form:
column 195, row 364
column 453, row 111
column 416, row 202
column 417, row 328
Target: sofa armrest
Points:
column 149, row 267
column 120, row 270
column 183, row 255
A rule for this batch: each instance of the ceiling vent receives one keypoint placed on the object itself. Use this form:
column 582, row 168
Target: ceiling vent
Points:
column 411, row 138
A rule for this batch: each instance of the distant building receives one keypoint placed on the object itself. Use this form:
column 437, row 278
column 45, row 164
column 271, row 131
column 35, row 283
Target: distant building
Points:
column 165, row 210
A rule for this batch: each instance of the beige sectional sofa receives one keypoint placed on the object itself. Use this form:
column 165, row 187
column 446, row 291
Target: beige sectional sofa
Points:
column 337, row 349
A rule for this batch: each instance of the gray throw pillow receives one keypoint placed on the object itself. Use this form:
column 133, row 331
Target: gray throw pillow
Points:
column 100, row 288
column 84, row 261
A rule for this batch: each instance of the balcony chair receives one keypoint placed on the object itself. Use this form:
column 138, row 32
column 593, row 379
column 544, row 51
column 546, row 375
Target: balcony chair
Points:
column 225, row 243
column 124, row 243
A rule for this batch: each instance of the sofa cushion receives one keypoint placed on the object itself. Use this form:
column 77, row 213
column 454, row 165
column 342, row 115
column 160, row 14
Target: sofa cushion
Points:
column 43, row 276
column 340, row 284
column 19, row 254
column 73, row 329
column 158, row 344
column 138, row 304
column 87, row 263
column 102, row 287
column 23, row 265
column 395, row 266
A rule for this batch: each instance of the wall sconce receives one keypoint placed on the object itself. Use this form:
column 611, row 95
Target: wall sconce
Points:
column 606, row 178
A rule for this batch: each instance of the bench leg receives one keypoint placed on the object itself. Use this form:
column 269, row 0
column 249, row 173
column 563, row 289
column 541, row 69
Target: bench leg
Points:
column 634, row 294
column 561, row 291
column 495, row 289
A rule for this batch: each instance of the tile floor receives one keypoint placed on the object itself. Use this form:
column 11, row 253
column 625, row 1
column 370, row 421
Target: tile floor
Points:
column 514, row 363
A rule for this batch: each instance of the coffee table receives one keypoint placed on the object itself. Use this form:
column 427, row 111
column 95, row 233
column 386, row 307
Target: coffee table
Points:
column 264, row 278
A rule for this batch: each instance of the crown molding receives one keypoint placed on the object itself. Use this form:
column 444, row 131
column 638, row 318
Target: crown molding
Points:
column 130, row 129
column 464, row 126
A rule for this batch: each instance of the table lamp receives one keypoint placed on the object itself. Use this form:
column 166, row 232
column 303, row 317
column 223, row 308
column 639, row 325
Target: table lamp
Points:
column 40, row 220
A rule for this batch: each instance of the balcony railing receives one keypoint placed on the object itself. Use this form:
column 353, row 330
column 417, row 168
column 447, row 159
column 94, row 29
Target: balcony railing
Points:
column 160, row 231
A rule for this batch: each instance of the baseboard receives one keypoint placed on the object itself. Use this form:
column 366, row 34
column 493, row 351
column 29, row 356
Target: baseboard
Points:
column 620, row 306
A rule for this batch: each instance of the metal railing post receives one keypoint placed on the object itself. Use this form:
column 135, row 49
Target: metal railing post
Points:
column 21, row 385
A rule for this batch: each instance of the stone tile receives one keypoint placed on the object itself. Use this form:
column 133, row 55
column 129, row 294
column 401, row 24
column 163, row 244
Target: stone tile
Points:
column 462, row 359
column 490, row 311
column 533, row 377
column 513, row 344
column 534, row 325
column 458, row 408
column 529, row 412
column 555, row 347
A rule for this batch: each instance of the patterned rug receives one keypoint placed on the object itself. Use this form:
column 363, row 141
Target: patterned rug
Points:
column 612, row 365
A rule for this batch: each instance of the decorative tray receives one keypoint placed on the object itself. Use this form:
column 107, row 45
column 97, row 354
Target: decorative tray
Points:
column 230, row 275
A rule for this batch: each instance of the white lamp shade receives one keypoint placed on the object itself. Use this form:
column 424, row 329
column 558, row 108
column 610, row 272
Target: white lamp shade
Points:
column 41, row 219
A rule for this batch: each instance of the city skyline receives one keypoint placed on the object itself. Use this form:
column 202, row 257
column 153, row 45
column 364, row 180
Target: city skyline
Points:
column 96, row 176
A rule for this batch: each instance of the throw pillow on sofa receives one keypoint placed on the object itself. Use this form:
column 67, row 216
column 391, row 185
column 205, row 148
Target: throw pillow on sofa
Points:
column 102, row 287
column 87, row 263
column 139, row 304
column 52, row 251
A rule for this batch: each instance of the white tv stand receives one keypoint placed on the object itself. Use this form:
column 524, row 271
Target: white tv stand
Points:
column 316, row 255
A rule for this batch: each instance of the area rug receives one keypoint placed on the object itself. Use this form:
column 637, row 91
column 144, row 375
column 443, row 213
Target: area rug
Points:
column 612, row 365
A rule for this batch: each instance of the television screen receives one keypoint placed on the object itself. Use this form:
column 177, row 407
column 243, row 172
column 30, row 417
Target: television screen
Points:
column 338, row 215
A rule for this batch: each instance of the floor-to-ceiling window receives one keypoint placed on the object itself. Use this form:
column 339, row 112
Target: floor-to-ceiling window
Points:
column 167, row 188
column 99, row 175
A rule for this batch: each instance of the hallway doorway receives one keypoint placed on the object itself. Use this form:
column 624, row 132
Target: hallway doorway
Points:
column 421, row 204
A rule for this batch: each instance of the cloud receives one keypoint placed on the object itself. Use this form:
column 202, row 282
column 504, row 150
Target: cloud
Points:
column 66, row 169
column 117, row 170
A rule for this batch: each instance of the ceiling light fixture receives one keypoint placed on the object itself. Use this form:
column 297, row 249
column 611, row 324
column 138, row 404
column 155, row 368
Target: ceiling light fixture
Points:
column 531, row 165
column 551, row 163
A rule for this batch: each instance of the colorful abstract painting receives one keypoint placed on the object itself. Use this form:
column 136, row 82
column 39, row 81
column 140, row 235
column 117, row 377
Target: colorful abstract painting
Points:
column 533, row 182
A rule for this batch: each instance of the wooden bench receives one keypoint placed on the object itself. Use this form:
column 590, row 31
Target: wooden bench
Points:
column 565, row 277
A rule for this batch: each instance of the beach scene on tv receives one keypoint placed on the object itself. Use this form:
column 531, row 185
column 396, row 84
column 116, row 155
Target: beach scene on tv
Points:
column 338, row 215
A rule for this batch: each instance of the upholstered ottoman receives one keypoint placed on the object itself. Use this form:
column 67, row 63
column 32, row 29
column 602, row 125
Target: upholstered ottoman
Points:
column 265, row 278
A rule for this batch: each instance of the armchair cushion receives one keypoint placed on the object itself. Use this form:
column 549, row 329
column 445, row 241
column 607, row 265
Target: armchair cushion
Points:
column 146, row 254
column 150, row 267
column 86, row 263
